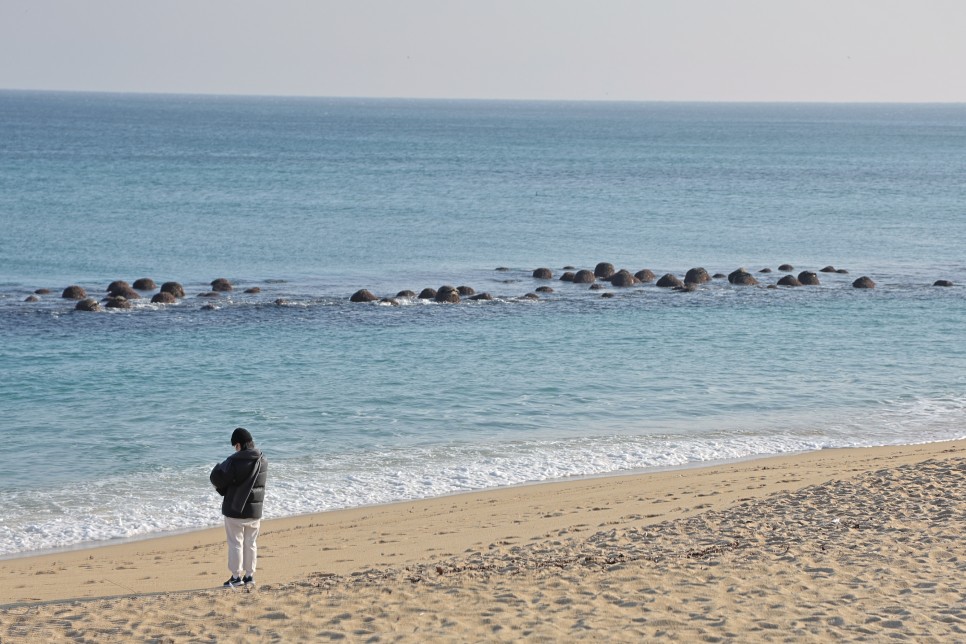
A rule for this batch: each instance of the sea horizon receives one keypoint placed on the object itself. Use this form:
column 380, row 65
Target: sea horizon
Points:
column 480, row 99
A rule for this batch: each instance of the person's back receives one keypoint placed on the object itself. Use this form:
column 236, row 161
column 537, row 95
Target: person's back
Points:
column 241, row 480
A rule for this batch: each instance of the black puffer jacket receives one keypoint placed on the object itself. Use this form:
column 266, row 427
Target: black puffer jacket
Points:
column 241, row 480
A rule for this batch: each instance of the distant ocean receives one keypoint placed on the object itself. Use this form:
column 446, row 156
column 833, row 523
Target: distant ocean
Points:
column 111, row 421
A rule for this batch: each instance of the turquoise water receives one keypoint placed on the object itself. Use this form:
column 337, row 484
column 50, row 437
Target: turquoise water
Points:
column 112, row 420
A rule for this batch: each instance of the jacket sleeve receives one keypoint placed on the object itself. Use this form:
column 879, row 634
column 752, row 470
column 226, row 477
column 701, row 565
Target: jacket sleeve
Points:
column 221, row 476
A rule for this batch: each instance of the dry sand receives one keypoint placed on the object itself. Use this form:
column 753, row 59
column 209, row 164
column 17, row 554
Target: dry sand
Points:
column 859, row 544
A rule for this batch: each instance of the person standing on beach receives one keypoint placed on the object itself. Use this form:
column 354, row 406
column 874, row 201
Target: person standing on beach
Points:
column 241, row 479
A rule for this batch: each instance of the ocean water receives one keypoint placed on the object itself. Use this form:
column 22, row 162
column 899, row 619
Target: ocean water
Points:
column 111, row 421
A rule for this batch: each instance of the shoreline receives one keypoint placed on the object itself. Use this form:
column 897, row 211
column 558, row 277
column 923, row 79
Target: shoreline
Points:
column 833, row 545
column 210, row 539
column 120, row 541
column 94, row 545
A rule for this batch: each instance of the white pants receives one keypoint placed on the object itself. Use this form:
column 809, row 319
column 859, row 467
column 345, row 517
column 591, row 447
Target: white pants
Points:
column 242, row 550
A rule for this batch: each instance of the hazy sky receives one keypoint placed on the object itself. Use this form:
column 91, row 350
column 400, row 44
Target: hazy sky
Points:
column 709, row 50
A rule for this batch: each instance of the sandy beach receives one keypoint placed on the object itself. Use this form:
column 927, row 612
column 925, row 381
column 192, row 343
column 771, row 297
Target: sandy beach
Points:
column 857, row 544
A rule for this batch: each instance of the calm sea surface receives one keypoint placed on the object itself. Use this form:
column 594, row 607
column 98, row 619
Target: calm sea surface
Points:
column 111, row 421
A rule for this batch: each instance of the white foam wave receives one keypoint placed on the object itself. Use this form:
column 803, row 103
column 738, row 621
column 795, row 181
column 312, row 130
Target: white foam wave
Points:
column 131, row 507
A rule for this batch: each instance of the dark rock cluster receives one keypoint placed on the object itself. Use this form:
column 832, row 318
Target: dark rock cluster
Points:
column 623, row 278
column 120, row 294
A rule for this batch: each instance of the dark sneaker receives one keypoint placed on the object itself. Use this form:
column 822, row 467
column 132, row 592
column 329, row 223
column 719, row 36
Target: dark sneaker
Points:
column 234, row 582
column 249, row 581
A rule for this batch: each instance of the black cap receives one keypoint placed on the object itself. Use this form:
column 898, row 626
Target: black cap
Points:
column 241, row 436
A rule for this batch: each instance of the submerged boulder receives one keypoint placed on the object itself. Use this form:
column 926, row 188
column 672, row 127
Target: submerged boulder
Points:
column 174, row 288
column 117, row 286
column 144, row 284
column 118, row 302
column 623, row 279
column 74, row 293
column 584, row 277
column 221, row 285
column 942, row 283
column 447, row 295
column 482, row 297
column 863, row 282
column 427, row 294
column 362, row 295
column 645, row 275
column 697, row 276
column 787, row 268
column 669, row 280
column 741, row 277
column 88, row 304
column 122, row 289
column 466, row 291
column 604, row 270
column 543, row 274
column 163, row 298
column 789, row 280
column 827, row 269
column 808, row 278
column 567, row 277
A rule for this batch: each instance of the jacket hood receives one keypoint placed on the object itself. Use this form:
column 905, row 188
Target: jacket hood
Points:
column 247, row 455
